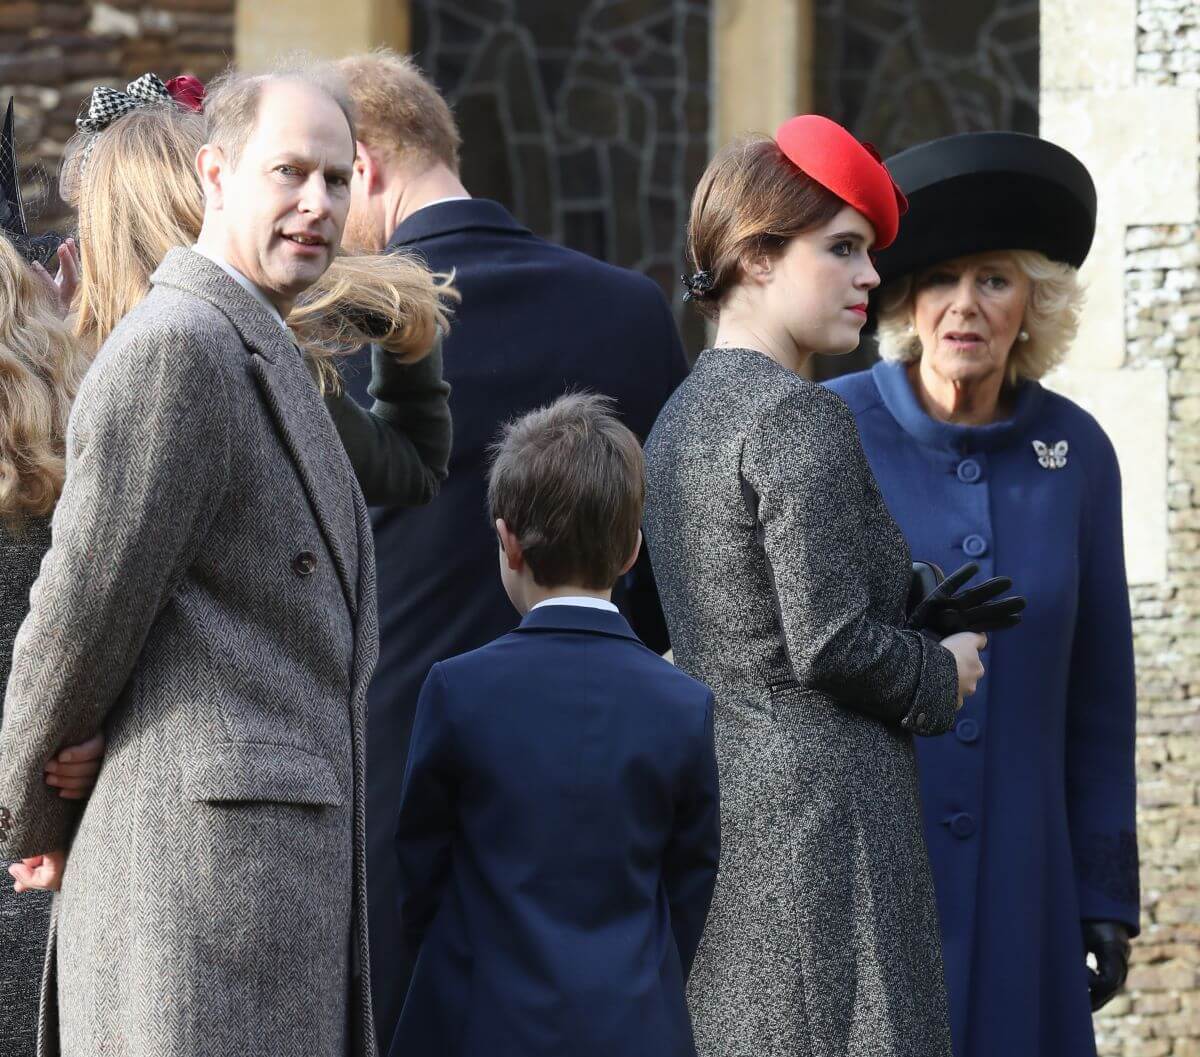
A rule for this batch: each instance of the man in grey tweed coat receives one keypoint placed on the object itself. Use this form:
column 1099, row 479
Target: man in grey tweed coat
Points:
column 209, row 602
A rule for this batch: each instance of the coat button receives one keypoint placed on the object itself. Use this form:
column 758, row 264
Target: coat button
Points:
column 974, row 546
column 967, row 731
column 961, row 825
column 969, row 471
column 304, row 563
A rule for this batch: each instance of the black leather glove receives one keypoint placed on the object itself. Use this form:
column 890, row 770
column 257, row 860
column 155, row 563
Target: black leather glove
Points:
column 934, row 605
column 1108, row 942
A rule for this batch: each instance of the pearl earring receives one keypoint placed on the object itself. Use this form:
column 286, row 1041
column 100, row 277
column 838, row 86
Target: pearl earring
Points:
column 1023, row 336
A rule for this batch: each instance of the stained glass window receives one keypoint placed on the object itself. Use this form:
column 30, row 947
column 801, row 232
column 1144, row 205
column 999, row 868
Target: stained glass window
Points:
column 588, row 120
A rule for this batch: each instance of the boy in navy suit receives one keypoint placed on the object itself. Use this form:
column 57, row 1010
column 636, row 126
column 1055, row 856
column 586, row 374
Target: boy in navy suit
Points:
column 559, row 826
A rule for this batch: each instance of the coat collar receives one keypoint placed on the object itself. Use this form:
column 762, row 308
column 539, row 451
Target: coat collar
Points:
column 459, row 215
column 186, row 270
column 891, row 380
column 578, row 618
column 292, row 399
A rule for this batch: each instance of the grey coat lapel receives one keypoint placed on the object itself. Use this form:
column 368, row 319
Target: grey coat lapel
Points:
column 291, row 396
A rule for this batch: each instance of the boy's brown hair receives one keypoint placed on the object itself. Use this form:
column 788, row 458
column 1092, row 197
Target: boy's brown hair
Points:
column 568, row 480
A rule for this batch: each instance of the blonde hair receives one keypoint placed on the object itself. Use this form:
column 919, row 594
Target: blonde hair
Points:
column 399, row 110
column 40, row 370
column 140, row 196
column 1051, row 317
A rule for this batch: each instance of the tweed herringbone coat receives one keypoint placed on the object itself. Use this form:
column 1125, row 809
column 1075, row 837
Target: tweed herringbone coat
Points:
column 209, row 602
column 783, row 579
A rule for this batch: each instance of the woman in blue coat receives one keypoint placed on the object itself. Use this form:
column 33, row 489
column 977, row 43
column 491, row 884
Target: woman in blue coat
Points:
column 1029, row 802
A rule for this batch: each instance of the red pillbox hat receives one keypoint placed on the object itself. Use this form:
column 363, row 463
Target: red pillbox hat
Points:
column 851, row 170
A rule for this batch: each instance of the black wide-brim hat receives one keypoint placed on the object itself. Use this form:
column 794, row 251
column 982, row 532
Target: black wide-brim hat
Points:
column 984, row 191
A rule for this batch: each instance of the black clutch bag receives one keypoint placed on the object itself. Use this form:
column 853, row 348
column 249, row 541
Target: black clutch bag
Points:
column 942, row 605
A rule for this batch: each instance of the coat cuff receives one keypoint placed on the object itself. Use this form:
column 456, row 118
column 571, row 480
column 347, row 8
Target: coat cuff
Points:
column 35, row 822
column 1106, row 871
column 935, row 700
column 396, row 383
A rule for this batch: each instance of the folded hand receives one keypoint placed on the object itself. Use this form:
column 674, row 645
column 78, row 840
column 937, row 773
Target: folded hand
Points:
column 39, row 872
column 73, row 771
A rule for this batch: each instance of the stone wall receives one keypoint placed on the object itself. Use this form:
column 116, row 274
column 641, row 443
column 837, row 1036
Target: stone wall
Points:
column 1160, row 1015
column 52, row 54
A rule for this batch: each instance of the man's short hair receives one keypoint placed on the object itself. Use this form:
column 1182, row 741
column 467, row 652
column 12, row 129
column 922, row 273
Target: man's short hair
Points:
column 568, row 480
column 231, row 102
column 399, row 110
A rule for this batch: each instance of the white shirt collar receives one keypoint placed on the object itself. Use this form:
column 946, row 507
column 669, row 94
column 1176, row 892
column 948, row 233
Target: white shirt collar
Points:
column 577, row 600
column 439, row 201
column 243, row 282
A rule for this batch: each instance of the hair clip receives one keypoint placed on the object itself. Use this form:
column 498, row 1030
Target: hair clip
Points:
column 698, row 286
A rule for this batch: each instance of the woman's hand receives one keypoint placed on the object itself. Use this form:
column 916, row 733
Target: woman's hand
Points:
column 966, row 646
column 63, row 286
column 73, row 771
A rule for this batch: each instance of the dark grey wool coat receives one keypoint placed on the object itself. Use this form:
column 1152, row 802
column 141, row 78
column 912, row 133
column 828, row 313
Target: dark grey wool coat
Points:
column 783, row 579
column 24, row 918
column 209, row 601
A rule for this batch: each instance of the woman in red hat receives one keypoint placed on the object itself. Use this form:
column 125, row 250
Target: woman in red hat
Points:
column 784, row 581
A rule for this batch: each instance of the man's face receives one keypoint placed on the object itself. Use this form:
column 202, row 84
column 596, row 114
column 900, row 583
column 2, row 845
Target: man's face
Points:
column 284, row 204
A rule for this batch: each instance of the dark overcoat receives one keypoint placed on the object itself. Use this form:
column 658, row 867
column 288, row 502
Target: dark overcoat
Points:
column 1029, row 804
column 209, row 602
column 24, row 917
column 558, row 842
column 535, row 321
column 784, row 580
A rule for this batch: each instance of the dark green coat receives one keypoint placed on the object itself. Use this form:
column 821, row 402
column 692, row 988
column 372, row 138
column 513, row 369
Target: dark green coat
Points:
column 400, row 448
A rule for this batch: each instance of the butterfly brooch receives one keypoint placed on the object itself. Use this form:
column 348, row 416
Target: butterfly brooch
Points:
column 1051, row 456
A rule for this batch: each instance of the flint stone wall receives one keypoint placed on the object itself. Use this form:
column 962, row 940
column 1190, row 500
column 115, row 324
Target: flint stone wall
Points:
column 52, row 54
column 1160, row 1014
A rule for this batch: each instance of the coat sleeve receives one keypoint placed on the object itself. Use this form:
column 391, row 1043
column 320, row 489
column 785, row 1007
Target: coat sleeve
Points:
column 693, row 854
column 400, row 448
column 149, row 461
column 806, row 476
column 425, row 828
column 1102, row 709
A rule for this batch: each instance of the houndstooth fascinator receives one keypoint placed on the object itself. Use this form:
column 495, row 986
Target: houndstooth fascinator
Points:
column 106, row 105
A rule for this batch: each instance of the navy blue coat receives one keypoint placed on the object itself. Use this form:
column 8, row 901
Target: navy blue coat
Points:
column 1029, row 802
column 535, row 321
column 558, row 841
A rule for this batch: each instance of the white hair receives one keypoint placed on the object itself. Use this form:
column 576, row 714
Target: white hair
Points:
column 1051, row 317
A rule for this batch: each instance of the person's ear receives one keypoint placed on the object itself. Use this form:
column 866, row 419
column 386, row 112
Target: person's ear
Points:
column 757, row 266
column 513, row 555
column 633, row 557
column 210, row 164
column 367, row 167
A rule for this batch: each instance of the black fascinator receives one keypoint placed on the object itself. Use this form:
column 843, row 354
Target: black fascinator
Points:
column 34, row 248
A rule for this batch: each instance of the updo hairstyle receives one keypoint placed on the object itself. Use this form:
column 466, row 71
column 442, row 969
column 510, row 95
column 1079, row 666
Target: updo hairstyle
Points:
column 751, row 200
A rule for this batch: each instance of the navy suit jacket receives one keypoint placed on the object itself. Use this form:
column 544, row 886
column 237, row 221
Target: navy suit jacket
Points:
column 558, row 840
column 535, row 321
